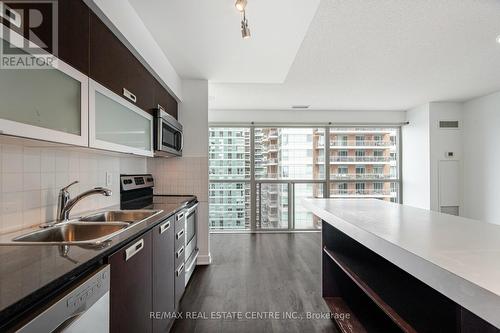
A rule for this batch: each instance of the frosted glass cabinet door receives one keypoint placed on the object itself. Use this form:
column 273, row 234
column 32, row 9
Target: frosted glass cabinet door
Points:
column 47, row 104
column 117, row 125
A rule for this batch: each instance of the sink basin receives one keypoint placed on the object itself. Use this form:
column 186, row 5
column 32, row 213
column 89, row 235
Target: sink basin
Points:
column 129, row 216
column 73, row 233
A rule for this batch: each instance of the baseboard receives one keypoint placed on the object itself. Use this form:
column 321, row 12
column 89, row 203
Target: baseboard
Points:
column 204, row 259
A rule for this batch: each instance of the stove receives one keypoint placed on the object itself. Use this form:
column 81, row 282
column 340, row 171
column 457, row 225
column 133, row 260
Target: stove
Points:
column 137, row 192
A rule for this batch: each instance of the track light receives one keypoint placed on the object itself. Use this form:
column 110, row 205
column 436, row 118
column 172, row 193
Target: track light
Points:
column 245, row 30
column 240, row 5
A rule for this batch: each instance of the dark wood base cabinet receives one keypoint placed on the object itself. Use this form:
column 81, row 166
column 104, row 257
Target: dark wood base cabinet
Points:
column 367, row 293
column 131, row 287
column 163, row 275
column 142, row 282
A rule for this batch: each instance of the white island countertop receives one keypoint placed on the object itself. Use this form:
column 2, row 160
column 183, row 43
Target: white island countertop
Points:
column 458, row 257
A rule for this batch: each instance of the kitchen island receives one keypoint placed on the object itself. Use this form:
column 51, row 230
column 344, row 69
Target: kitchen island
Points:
column 399, row 268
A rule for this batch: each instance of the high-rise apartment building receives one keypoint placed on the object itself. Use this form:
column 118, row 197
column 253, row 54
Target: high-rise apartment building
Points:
column 367, row 156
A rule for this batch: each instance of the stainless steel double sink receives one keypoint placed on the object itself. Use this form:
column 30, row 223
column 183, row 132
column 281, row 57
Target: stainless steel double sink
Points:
column 92, row 229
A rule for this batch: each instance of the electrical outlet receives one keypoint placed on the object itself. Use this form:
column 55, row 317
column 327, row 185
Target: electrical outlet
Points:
column 109, row 179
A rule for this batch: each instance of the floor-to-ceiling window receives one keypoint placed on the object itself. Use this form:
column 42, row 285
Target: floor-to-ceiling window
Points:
column 260, row 175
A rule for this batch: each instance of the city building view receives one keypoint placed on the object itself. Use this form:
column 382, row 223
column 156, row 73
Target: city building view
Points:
column 290, row 164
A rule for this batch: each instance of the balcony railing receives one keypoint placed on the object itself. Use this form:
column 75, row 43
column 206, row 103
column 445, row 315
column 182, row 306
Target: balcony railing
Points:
column 347, row 159
column 363, row 176
column 362, row 143
column 361, row 192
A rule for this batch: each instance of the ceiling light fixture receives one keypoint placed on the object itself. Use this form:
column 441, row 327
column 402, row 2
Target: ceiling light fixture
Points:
column 245, row 30
column 240, row 5
column 498, row 39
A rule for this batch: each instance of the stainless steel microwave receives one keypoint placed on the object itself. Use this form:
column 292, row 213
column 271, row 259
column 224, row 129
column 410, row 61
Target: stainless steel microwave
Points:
column 168, row 139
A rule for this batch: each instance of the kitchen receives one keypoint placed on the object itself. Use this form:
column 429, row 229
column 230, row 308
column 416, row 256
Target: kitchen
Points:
column 160, row 172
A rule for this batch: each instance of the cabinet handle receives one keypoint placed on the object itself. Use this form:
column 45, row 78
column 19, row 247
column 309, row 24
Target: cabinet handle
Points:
column 179, row 270
column 164, row 227
column 179, row 234
column 180, row 216
column 129, row 95
column 178, row 253
column 134, row 249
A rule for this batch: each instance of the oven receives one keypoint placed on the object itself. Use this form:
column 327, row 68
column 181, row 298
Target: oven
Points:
column 191, row 246
column 168, row 139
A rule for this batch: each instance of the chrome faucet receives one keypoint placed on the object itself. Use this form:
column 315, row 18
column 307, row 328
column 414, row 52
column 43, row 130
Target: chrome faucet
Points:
column 65, row 204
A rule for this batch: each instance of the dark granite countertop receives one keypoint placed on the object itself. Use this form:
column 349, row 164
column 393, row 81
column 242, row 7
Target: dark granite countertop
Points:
column 29, row 274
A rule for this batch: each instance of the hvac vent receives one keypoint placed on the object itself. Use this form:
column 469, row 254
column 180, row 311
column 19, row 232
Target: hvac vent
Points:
column 448, row 124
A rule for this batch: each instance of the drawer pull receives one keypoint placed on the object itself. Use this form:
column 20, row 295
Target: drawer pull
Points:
column 179, row 270
column 180, row 216
column 178, row 253
column 134, row 249
column 179, row 234
column 164, row 227
column 129, row 95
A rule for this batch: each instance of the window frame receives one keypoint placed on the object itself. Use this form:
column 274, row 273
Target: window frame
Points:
column 326, row 181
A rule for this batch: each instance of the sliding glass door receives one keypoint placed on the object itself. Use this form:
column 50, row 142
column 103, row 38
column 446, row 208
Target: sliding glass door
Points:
column 260, row 175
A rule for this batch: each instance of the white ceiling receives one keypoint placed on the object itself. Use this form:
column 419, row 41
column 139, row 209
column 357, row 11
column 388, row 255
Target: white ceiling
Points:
column 202, row 39
column 355, row 54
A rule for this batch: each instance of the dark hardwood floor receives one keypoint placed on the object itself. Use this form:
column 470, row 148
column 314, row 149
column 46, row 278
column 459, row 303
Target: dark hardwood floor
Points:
column 258, row 273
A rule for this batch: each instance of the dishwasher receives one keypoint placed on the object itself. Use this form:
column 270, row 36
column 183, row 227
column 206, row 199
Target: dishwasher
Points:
column 83, row 308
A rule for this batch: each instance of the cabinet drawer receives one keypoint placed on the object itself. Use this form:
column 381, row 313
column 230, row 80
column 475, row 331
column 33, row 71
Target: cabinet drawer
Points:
column 180, row 284
column 180, row 255
column 180, row 220
column 114, row 66
column 180, row 236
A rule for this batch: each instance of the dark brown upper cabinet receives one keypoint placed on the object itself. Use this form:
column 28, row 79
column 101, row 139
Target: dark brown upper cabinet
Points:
column 74, row 34
column 116, row 68
column 165, row 100
column 70, row 26
column 87, row 44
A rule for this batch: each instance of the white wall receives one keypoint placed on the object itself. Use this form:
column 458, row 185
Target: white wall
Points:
column 416, row 158
column 442, row 141
column 31, row 177
column 304, row 116
column 481, row 158
column 193, row 115
column 189, row 174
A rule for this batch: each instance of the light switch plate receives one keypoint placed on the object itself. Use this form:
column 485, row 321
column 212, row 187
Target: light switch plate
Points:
column 109, row 178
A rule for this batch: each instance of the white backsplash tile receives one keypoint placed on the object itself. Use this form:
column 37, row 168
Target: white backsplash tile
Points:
column 12, row 182
column 185, row 175
column 12, row 158
column 31, row 178
column 48, row 160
